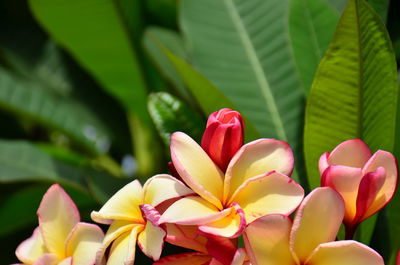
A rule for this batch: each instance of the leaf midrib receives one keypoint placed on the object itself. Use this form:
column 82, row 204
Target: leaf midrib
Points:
column 258, row 69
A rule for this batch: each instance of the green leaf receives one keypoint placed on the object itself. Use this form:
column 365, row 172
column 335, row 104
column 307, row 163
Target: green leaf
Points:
column 93, row 32
column 339, row 5
column 354, row 94
column 311, row 27
column 172, row 41
column 243, row 47
column 170, row 115
column 381, row 7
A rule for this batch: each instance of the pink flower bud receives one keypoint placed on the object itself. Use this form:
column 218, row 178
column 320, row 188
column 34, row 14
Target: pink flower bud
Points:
column 223, row 136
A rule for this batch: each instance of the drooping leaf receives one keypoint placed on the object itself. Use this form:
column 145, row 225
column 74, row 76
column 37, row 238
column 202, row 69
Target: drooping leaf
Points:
column 311, row 27
column 93, row 32
column 170, row 115
column 354, row 94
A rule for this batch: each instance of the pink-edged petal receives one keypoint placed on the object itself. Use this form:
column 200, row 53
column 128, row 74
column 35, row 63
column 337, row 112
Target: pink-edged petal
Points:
column 271, row 193
column 257, row 158
column 222, row 249
column 83, row 243
column 389, row 163
column 186, row 236
column 346, row 181
column 194, row 258
column 214, row 262
column 192, row 210
column 123, row 249
column 370, row 185
column 151, row 241
column 351, row 153
column 163, row 187
column 123, row 205
column 317, row 221
column 67, row 261
column 344, row 252
column 230, row 226
column 398, row 259
column 196, row 168
column 323, row 163
column 46, row 259
column 240, row 257
column 116, row 229
column 57, row 216
column 32, row 248
column 267, row 241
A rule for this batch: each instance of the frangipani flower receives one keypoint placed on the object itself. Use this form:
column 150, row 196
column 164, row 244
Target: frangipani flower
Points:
column 132, row 217
column 255, row 184
column 223, row 136
column 274, row 240
column 60, row 238
column 366, row 182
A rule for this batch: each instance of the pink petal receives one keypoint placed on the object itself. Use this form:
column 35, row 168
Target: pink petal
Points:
column 257, row 158
column 317, row 221
column 163, row 187
column 32, row 248
column 323, row 163
column 186, row 236
column 240, row 257
column 272, row 193
column 370, row 185
column 344, row 252
column 57, row 216
column 151, row 241
column 83, row 243
column 351, row 153
column 193, row 258
column 346, row 181
column 196, row 168
column 398, row 259
column 221, row 249
column 267, row 241
column 385, row 194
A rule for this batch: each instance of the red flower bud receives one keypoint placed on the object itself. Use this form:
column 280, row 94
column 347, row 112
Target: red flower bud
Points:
column 223, row 136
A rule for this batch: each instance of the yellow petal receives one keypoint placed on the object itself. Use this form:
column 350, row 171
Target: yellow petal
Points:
column 163, row 187
column 267, row 241
column 46, row 259
column 272, row 193
column 57, row 216
column 123, row 248
column 230, row 226
column 388, row 162
column 124, row 205
column 344, row 252
column 83, row 243
column 151, row 241
column 116, row 229
column 317, row 221
column 31, row 249
column 257, row 158
column 192, row 210
column 196, row 168
column 66, row 261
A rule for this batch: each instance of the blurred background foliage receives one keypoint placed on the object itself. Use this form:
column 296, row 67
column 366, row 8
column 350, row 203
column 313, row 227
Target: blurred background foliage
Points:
column 90, row 91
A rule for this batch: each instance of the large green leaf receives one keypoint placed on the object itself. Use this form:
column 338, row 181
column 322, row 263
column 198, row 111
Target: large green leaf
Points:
column 243, row 47
column 354, row 94
column 169, row 114
column 381, row 7
column 93, row 32
column 311, row 27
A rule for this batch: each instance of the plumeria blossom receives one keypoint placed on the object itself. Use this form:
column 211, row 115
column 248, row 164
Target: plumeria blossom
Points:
column 366, row 182
column 309, row 240
column 223, row 136
column 60, row 238
column 398, row 259
column 209, row 249
column 132, row 217
column 255, row 184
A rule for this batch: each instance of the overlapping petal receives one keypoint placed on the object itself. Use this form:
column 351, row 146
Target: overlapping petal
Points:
column 344, row 252
column 57, row 216
column 32, row 248
column 267, row 241
column 123, row 205
column 271, row 193
column 151, row 240
column 257, row 158
column 48, row 259
column 317, row 221
column 351, row 153
column 83, row 242
column 186, row 236
column 66, row 261
column 196, row 168
column 194, row 258
column 123, row 248
column 240, row 257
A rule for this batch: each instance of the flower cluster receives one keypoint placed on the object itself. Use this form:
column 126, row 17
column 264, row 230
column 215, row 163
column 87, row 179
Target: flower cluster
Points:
column 221, row 190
